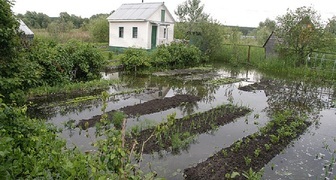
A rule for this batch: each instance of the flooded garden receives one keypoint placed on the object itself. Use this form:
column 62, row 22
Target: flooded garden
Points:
column 210, row 123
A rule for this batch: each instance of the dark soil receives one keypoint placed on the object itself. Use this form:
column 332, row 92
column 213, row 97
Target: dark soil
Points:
column 231, row 159
column 148, row 107
column 158, row 105
column 192, row 125
column 182, row 72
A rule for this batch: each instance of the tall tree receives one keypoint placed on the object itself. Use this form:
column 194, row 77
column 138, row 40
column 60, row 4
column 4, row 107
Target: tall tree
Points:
column 331, row 26
column 197, row 26
column 264, row 30
column 191, row 11
column 301, row 32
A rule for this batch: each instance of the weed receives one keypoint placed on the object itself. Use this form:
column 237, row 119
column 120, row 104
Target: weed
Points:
column 248, row 160
column 233, row 175
column 267, row 147
column 274, row 138
column 225, row 153
column 250, row 174
column 257, row 152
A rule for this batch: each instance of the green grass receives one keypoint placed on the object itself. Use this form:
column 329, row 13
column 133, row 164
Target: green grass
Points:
column 90, row 86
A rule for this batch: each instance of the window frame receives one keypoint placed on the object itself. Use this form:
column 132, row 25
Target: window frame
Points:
column 121, row 32
column 135, row 32
column 163, row 15
column 165, row 33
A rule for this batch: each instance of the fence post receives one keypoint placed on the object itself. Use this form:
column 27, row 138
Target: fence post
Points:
column 249, row 54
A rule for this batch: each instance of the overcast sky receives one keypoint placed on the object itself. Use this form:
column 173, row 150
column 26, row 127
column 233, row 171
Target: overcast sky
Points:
column 228, row 12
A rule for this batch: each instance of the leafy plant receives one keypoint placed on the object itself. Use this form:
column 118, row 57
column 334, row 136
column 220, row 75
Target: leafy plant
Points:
column 250, row 174
column 134, row 59
column 247, row 160
column 257, row 152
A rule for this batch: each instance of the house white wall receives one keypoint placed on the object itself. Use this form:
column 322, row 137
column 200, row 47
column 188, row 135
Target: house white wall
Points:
column 144, row 39
column 156, row 17
column 128, row 41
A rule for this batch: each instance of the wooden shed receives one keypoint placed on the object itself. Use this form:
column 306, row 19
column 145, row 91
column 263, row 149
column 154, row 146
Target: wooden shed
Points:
column 270, row 45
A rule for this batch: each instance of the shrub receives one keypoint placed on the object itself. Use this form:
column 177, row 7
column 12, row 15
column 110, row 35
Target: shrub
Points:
column 135, row 59
column 178, row 54
column 58, row 63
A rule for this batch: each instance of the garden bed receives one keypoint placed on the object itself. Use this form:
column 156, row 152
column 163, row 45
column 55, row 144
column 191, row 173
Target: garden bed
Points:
column 158, row 105
column 246, row 157
column 148, row 107
column 176, row 134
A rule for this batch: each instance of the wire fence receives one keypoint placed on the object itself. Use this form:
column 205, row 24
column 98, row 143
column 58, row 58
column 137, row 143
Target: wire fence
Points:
column 322, row 61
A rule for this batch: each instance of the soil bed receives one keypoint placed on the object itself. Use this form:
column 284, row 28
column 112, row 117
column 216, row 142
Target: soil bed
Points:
column 158, row 105
column 181, row 72
column 253, row 151
column 175, row 134
column 148, row 107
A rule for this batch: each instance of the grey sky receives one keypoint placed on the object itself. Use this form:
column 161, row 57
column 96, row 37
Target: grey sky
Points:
column 228, row 12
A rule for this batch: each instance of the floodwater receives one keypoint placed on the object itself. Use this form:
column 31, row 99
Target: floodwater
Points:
column 309, row 157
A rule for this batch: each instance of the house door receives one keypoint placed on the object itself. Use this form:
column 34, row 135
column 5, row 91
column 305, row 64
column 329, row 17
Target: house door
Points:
column 154, row 35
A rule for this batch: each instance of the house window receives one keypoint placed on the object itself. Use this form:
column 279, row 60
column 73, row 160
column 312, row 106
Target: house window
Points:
column 135, row 32
column 165, row 33
column 121, row 32
column 163, row 15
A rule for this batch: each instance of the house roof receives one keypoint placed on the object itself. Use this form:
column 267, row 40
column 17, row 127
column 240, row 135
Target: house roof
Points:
column 136, row 11
column 24, row 28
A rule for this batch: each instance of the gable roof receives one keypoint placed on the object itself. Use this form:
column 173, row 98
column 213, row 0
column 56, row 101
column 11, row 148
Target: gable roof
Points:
column 24, row 28
column 136, row 11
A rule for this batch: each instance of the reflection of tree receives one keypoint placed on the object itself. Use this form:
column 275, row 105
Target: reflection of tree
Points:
column 304, row 98
column 196, row 88
column 188, row 108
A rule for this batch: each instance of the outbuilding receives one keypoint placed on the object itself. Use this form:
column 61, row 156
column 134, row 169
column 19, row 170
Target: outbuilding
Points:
column 140, row 25
column 27, row 34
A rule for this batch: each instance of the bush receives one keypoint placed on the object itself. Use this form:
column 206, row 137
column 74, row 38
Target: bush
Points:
column 135, row 59
column 183, row 55
column 178, row 55
column 99, row 29
column 71, row 62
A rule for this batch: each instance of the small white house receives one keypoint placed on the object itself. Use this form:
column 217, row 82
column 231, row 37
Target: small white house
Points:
column 141, row 25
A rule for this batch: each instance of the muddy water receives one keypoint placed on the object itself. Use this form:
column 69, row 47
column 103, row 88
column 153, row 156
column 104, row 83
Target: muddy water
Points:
column 305, row 159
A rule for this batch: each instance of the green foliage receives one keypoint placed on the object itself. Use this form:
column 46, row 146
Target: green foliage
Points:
column 12, row 67
column 8, row 34
column 301, row 31
column 118, row 119
column 134, row 59
column 197, row 26
column 35, row 20
column 70, row 62
column 191, row 11
column 30, row 149
column 184, row 55
column 99, row 29
column 161, row 56
column 253, row 175
column 222, row 81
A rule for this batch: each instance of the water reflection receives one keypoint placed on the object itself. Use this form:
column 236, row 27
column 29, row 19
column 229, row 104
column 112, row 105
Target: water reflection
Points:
column 297, row 162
